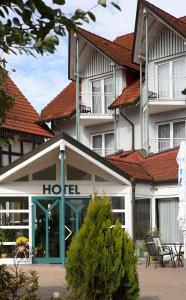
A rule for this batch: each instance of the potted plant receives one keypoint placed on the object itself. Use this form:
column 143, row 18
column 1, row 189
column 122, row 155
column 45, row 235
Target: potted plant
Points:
column 21, row 243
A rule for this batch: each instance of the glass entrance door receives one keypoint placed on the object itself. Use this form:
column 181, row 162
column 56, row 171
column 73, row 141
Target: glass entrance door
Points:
column 46, row 230
column 75, row 211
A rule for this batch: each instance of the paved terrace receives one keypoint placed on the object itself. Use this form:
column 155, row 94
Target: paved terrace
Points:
column 160, row 283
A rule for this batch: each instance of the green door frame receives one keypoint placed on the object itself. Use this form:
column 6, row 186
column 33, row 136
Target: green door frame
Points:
column 57, row 200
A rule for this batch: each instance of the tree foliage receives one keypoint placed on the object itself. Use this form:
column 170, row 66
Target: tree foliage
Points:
column 34, row 26
column 101, row 258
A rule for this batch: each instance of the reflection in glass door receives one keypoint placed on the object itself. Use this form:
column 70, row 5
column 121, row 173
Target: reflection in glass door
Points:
column 75, row 211
column 46, row 233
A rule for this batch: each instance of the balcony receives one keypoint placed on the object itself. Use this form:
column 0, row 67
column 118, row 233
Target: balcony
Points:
column 94, row 108
column 163, row 144
column 166, row 94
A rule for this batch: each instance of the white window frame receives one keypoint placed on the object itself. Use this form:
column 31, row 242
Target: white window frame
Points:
column 121, row 210
column 102, row 134
column 171, row 77
column 171, row 139
column 102, row 80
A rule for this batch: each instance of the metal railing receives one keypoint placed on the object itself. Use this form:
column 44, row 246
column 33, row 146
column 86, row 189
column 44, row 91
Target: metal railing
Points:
column 96, row 103
column 166, row 88
column 163, row 144
column 104, row 151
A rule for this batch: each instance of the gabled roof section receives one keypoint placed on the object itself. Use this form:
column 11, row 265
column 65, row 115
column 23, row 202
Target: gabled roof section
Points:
column 62, row 106
column 119, row 54
column 157, row 168
column 53, row 144
column 23, row 117
column 130, row 96
column 157, row 19
column 175, row 23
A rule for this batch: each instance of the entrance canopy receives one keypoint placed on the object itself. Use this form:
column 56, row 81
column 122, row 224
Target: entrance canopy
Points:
column 44, row 161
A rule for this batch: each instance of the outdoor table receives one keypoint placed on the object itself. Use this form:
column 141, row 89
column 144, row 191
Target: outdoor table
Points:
column 177, row 250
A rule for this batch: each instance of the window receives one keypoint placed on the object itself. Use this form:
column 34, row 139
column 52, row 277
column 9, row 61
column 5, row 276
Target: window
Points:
column 14, row 221
column 171, row 79
column 166, row 218
column 118, row 205
column 103, row 143
column 170, row 134
column 102, row 95
column 142, row 218
column 45, row 174
column 77, row 174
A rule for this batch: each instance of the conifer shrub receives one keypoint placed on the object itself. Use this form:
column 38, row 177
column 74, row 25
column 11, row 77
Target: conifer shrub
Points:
column 101, row 261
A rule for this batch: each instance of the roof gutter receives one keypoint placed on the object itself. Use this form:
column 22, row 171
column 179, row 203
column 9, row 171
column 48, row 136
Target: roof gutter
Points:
column 131, row 124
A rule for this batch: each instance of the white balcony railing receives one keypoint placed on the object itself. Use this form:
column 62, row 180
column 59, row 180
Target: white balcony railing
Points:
column 104, row 151
column 96, row 103
column 162, row 144
column 166, row 88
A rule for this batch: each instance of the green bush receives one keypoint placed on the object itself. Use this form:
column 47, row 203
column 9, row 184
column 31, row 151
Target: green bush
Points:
column 101, row 259
column 17, row 285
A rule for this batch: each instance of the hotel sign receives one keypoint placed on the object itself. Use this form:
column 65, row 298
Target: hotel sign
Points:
column 71, row 189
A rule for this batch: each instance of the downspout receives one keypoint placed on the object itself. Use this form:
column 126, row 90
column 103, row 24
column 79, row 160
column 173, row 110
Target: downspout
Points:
column 77, row 90
column 133, row 186
column 131, row 124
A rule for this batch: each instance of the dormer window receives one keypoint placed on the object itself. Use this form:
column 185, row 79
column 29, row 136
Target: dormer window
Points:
column 102, row 95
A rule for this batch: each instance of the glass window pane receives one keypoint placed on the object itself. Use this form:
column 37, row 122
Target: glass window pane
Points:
column 45, row 174
column 119, row 216
column 14, row 219
column 77, row 174
column 108, row 92
column 109, row 143
column 96, row 96
column 10, row 235
column 142, row 218
column 118, row 202
column 163, row 81
column 164, row 137
column 178, row 132
column 179, row 82
column 23, row 179
column 13, row 203
column 14, row 157
column 99, row 179
column 97, row 143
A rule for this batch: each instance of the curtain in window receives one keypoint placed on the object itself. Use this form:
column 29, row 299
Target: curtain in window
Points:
column 168, row 225
column 109, row 143
column 96, row 97
column 108, row 92
column 178, row 133
column 141, row 218
column 163, row 81
column 97, row 144
column 164, row 137
column 179, row 83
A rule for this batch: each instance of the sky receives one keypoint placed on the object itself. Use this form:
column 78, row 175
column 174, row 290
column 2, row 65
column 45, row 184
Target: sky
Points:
column 41, row 79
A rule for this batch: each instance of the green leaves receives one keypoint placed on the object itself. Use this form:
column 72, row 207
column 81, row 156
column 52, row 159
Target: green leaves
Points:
column 92, row 16
column 116, row 5
column 102, row 3
column 60, row 2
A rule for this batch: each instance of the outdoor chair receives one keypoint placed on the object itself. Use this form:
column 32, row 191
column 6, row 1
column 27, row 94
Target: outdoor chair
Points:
column 163, row 248
column 156, row 254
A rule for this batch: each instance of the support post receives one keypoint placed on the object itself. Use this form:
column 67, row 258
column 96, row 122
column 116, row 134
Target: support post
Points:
column 77, row 90
column 141, row 104
column 115, row 116
column 62, row 202
column 146, row 80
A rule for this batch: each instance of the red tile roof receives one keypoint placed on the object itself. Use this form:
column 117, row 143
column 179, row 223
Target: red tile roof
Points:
column 160, row 167
column 125, row 40
column 130, row 95
column 119, row 54
column 62, row 106
column 177, row 23
column 22, row 117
